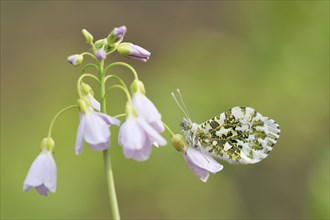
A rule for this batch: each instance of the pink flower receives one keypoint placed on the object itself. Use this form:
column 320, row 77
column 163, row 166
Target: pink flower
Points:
column 94, row 128
column 136, row 137
column 201, row 164
column 42, row 173
column 148, row 111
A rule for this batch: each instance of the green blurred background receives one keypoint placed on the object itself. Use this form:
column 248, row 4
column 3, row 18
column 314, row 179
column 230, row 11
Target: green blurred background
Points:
column 269, row 55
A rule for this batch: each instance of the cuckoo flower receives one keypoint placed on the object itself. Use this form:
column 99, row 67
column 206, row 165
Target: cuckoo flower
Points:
column 201, row 164
column 42, row 173
column 145, row 107
column 136, row 136
column 93, row 127
column 133, row 51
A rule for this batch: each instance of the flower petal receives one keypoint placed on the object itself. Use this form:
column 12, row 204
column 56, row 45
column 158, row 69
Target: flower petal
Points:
column 148, row 111
column 203, row 161
column 151, row 132
column 141, row 154
column 80, row 134
column 108, row 119
column 201, row 173
column 130, row 135
column 42, row 190
column 100, row 146
column 96, row 130
column 94, row 103
column 50, row 169
column 36, row 173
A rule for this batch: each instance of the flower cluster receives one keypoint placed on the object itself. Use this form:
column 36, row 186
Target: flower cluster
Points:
column 137, row 134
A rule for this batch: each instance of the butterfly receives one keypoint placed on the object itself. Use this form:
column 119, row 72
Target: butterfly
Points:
column 240, row 135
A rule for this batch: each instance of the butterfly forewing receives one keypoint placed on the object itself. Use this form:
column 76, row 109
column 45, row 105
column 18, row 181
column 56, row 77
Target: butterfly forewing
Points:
column 239, row 135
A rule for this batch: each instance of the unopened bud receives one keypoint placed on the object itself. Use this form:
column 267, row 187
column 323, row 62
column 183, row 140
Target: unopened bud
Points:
column 75, row 59
column 116, row 36
column 101, row 54
column 88, row 37
column 133, row 51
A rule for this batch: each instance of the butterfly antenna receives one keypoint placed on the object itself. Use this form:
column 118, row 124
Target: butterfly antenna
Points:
column 182, row 109
column 184, row 106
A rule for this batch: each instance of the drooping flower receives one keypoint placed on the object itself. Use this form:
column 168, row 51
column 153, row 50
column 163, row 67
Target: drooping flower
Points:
column 200, row 163
column 145, row 107
column 133, row 51
column 75, row 59
column 136, row 136
column 101, row 54
column 93, row 127
column 42, row 173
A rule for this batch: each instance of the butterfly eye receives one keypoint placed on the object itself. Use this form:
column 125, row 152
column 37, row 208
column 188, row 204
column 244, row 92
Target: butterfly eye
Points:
column 185, row 124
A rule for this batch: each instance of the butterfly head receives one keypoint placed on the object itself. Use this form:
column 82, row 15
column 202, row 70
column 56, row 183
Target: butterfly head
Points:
column 186, row 124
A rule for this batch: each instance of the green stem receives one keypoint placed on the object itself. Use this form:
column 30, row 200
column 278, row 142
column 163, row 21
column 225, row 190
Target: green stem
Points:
column 56, row 116
column 106, row 154
column 122, row 64
column 120, row 115
column 123, row 88
column 88, row 65
column 91, row 55
column 168, row 128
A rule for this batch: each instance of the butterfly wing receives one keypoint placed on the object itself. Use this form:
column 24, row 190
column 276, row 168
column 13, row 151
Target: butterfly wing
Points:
column 239, row 135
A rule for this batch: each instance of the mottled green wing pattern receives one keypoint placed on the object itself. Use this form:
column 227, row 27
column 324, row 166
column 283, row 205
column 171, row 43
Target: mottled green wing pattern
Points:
column 240, row 135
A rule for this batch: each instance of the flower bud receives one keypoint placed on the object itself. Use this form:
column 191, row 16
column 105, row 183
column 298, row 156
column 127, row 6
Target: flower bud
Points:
column 133, row 51
column 101, row 54
column 75, row 59
column 178, row 141
column 47, row 143
column 100, row 43
column 137, row 86
column 88, row 37
column 116, row 36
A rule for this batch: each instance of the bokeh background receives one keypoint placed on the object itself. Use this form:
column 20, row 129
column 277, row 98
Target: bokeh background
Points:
column 270, row 55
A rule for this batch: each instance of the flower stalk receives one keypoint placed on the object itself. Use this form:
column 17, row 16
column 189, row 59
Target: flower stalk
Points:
column 106, row 155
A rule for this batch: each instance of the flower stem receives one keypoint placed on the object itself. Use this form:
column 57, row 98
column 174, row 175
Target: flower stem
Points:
column 81, row 78
column 106, row 155
column 56, row 116
column 111, row 185
column 125, row 65
column 168, row 128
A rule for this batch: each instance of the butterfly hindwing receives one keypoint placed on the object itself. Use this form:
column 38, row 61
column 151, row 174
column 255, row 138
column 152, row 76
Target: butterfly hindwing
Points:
column 239, row 135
